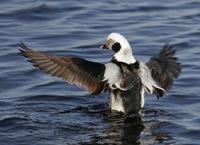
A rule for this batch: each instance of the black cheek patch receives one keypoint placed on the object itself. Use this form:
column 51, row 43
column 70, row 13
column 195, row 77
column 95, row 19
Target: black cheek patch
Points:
column 116, row 47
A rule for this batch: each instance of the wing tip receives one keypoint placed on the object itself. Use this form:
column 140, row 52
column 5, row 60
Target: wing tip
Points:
column 21, row 44
column 24, row 50
column 168, row 50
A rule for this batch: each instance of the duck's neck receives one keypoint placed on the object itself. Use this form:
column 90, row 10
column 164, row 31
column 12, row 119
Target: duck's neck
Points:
column 127, row 58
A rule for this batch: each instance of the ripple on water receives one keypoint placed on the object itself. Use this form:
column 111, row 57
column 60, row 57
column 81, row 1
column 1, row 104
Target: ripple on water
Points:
column 11, row 121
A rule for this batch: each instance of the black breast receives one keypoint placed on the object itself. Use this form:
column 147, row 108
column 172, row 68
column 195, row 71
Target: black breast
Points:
column 131, row 98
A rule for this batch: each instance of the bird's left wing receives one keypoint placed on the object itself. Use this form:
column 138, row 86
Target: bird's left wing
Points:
column 164, row 68
column 74, row 70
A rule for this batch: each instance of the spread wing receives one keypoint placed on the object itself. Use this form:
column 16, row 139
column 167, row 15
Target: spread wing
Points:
column 164, row 68
column 74, row 70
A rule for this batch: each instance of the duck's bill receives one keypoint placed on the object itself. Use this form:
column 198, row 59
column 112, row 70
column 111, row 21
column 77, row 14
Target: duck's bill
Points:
column 104, row 46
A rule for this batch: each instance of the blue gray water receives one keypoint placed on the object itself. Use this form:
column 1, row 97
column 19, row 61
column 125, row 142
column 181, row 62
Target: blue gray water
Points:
column 37, row 109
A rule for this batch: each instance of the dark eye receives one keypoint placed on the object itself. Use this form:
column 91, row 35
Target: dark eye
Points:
column 116, row 47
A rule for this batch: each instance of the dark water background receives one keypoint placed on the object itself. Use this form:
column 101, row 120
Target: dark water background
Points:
column 38, row 109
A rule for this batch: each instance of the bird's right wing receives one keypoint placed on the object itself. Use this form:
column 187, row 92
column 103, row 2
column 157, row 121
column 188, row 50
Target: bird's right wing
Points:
column 164, row 68
column 74, row 70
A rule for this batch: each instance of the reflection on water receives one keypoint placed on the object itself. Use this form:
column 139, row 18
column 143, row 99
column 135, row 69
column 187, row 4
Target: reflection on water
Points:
column 125, row 131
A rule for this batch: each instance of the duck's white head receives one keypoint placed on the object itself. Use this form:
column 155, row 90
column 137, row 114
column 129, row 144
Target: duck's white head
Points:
column 121, row 48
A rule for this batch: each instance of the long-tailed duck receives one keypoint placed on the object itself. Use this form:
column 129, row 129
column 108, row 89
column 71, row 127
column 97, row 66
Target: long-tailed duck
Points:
column 126, row 79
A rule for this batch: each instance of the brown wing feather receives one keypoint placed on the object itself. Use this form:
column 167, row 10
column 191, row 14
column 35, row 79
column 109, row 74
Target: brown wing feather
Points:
column 164, row 68
column 73, row 70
